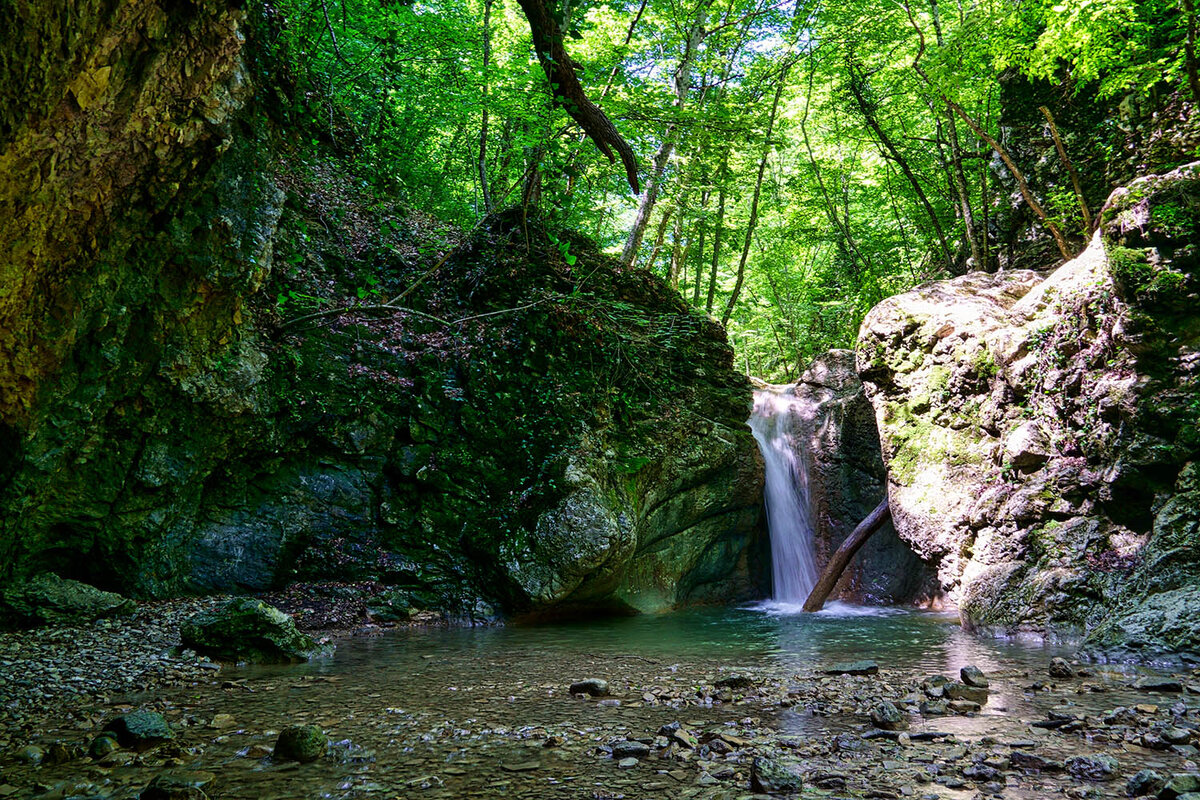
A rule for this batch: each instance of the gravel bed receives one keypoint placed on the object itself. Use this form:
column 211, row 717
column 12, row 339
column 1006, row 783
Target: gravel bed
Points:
column 47, row 673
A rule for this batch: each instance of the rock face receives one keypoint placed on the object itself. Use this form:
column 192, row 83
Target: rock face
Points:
column 846, row 481
column 1040, row 433
column 542, row 431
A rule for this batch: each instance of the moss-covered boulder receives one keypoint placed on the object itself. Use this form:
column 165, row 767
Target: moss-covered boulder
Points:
column 1036, row 428
column 49, row 599
column 303, row 743
column 141, row 730
column 246, row 629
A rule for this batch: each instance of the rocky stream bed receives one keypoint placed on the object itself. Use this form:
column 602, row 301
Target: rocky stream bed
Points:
column 675, row 713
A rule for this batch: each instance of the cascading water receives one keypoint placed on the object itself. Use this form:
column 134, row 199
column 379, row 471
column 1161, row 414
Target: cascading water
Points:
column 774, row 425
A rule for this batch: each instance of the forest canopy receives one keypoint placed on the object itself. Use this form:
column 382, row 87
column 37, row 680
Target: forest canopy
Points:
column 797, row 162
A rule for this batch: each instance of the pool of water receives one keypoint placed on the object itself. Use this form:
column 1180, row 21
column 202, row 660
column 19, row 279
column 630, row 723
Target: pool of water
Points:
column 485, row 712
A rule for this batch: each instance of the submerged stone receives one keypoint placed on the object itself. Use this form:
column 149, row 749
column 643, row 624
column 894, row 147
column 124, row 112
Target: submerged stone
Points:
column 179, row 784
column 854, row 668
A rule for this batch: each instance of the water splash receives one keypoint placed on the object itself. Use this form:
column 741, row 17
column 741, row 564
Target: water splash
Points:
column 774, row 424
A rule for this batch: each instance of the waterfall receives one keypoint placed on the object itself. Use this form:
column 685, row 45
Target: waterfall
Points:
column 775, row 427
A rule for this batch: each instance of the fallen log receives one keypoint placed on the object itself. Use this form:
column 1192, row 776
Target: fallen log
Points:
column 841, row 557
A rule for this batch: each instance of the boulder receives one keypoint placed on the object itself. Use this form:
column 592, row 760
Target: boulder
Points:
column 49, row 599
column 303, row 743
column 141, row 730
column 838, row 442
column 1039, row 431
column 246, row 629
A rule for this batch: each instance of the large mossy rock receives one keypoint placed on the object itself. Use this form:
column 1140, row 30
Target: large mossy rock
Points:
column 1036, row 429
column 549, row 430
column 49, row 599
column 246, row 629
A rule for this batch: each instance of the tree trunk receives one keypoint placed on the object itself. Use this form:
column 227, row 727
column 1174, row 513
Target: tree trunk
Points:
column 702, row 224
column 568, row 92
column 750, row 225
column 658, row 239
column 847, row 245
column 856, row 84
column 483, row 126
column 1075, row 182
column 1189, row 49
column 716, row 255
column 841, row 557
column 1022, row 184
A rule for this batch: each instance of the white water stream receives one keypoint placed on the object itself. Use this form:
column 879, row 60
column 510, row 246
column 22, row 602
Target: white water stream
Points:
column 775, row 426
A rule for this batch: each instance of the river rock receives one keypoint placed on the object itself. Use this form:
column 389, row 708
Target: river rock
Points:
column 627, row 763
column 886, row 716
column 596, row 687
column 1020, row 759
column 774, row 777
column 973, row 676
column 246, row 629
column 303, row 743
column 30, row 754
column 961, row 691
column 140, row 730
column 1145, row 782
column 630, row 749
column 179, row 784
column 103, row 745
column 49, row 599
column 1099, row 767
column 1179, row 784
column 1060, row 668
column 853, row 668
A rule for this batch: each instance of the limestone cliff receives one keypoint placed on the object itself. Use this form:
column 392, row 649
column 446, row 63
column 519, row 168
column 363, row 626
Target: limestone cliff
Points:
column 539, row 430
column 1040, row 432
